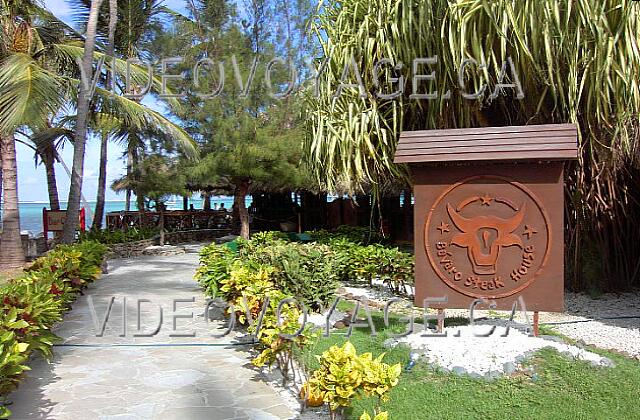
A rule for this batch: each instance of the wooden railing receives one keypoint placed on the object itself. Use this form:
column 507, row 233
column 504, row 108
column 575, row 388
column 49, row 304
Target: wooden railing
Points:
column 173, row 220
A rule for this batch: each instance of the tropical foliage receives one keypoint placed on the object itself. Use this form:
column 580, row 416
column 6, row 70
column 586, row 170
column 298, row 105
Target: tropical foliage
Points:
column 250, row 139
column 40, row 82
column 273, row 279
column 33, row 302
column 576, row 61
column 109, row 237
column 344, row 375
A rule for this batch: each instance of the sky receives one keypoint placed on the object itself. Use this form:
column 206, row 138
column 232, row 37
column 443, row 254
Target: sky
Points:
column 32, row 183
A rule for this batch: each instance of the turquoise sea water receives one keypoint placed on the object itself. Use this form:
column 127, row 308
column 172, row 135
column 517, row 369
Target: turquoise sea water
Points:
column 31, row 213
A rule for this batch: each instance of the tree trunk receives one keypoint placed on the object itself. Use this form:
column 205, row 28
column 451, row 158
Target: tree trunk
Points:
column 102, row 176
column 102, row 185
column 48, row 159
column 242, row 188
column 206, row 203
column 141, row 209
column 12, row 255
column 160, row 208
column 82, row 111
column 127, row 198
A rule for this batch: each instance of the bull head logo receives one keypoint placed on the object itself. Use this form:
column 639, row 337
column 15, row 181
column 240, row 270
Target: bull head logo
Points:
column 484, row 237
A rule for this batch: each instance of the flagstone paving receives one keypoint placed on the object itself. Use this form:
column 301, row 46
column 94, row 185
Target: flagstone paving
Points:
column 165, row 376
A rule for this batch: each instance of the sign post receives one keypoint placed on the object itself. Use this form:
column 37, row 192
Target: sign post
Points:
column 489, row 213
column 53, row 221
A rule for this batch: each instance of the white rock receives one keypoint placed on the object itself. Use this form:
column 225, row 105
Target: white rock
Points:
column 320, row 320
column 483, row 355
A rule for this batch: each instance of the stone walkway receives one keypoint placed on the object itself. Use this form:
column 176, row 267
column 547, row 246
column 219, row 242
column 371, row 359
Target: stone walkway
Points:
column 160, row 377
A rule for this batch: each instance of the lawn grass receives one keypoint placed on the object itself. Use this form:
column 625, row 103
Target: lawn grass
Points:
column 561, row 388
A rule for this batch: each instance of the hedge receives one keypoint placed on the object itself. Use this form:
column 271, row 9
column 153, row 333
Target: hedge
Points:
column 33, row 302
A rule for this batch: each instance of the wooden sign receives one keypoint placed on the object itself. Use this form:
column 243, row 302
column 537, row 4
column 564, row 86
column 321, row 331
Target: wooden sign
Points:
column 489, row 213
column 53, row 220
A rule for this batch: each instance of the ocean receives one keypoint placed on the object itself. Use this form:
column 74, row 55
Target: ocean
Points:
column 31, row 212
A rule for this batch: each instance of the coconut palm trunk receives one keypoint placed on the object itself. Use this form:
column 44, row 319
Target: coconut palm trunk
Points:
column 48, row 160
column 102, row 185
column 73, row 205
column 12, row 255
column 104, row 143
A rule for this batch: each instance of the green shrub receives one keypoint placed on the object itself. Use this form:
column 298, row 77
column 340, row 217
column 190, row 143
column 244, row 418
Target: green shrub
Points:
column 215, row 261
column 357, row 234
column 273, row 344
column 33, row 302
column 344, row 375
column 360, row 263
column 398, row 269
column 308, row 272
column 246, row 288
column 268, row 237
column 110, row 237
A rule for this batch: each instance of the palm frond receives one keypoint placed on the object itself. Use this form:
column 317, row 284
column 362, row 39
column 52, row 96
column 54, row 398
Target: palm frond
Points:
column 28, row 93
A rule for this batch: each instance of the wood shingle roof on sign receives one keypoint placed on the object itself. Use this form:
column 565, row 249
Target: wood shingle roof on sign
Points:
column 513, row 143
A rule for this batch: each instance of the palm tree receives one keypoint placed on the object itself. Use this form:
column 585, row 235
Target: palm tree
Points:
column 10, row 242
column 45, row 144
column 125, row 25
column 18, row 38
column 28, row 95
column 83, row 105
column 104, row 141
column 40, row 77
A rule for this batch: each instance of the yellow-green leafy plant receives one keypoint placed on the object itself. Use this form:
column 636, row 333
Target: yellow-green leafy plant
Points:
column 215, row 264
column 339, row 376
column 383, row 415
column 278, row 341
column 378, row 377
column 246, row 287
column 344, row 375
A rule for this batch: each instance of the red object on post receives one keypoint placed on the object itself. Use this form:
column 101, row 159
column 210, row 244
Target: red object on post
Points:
column 53, row 220
column 82, row 220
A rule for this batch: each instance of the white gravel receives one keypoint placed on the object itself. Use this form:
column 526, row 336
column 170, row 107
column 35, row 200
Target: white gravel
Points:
column 581, row 321
column 604, row 336
column 490, row 356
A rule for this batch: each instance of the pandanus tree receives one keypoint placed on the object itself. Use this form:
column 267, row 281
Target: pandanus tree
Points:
column 575, row 61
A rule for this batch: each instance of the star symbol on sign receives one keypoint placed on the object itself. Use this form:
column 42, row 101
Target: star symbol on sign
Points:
column 486, row 200
column 528, row 231
column 444, row 227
